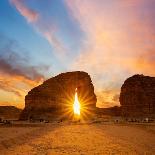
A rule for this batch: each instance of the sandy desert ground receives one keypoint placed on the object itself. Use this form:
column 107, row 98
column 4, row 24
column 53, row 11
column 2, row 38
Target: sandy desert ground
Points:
column 72, row 139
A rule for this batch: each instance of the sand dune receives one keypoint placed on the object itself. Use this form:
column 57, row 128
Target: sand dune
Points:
column 65, row 138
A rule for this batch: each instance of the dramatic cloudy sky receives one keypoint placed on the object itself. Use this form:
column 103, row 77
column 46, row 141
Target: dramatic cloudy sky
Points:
column 109, row 39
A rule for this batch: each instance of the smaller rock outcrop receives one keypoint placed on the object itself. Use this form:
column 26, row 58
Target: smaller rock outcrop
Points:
column 111, row 111
column 137, row 97
column 9, row 112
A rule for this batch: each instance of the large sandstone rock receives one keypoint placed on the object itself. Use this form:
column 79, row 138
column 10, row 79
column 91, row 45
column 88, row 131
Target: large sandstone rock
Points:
column 137, row 96
column 54, row 98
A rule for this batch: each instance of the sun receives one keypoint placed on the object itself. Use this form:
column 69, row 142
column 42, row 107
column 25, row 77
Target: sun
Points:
column 76, row 105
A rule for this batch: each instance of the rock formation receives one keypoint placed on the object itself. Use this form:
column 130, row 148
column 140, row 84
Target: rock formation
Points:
column 112, row 111
column 9, row 112
column 137, row 97
column 54, row 98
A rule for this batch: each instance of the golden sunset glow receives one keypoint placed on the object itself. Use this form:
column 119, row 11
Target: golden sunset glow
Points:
column 119, row 39
column 76, row 105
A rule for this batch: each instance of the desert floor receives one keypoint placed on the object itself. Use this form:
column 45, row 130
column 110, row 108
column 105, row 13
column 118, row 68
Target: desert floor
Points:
column 72, row 138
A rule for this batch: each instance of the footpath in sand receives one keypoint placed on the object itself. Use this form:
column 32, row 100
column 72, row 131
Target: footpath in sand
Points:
column 72, row 139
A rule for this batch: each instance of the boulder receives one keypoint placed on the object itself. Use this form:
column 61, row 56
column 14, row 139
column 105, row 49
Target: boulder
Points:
column 137, row 96
column 54, row 98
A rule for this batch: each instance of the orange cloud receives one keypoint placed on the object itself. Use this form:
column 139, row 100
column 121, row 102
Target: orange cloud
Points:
column 117, row 44
column 29, row 14
column 16, row 77
column 107, row 98
column 15, row 88
column 7, row 86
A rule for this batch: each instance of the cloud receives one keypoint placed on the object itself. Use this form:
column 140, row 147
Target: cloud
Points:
column 107, row 98
column 48, row 31
column 17, row 74
column 18, row 86
column 4, row 103
column 13, row 64
column 13, row 69
column 119, row 42
column 30, row 14
column 131, row 2
column 46, row 28
column 7, row 86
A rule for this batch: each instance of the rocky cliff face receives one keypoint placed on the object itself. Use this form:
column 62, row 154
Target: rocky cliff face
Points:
column 54, row 98
column 137, row 96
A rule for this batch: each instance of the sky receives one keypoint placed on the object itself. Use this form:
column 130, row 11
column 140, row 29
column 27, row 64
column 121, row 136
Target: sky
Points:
column 110, row 39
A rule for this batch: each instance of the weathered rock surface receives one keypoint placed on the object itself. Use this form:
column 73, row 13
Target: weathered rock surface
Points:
column 54, row 98
column 112, row 111
column 137, row 97
column 9, row 112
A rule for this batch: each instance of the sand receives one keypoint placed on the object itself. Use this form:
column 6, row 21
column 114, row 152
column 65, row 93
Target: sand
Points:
column 72, row 139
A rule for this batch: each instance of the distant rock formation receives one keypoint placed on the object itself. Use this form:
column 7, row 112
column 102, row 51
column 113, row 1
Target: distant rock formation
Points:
column 54, row 98
column 9, row 112
column 137, row 97
column 112, row 111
